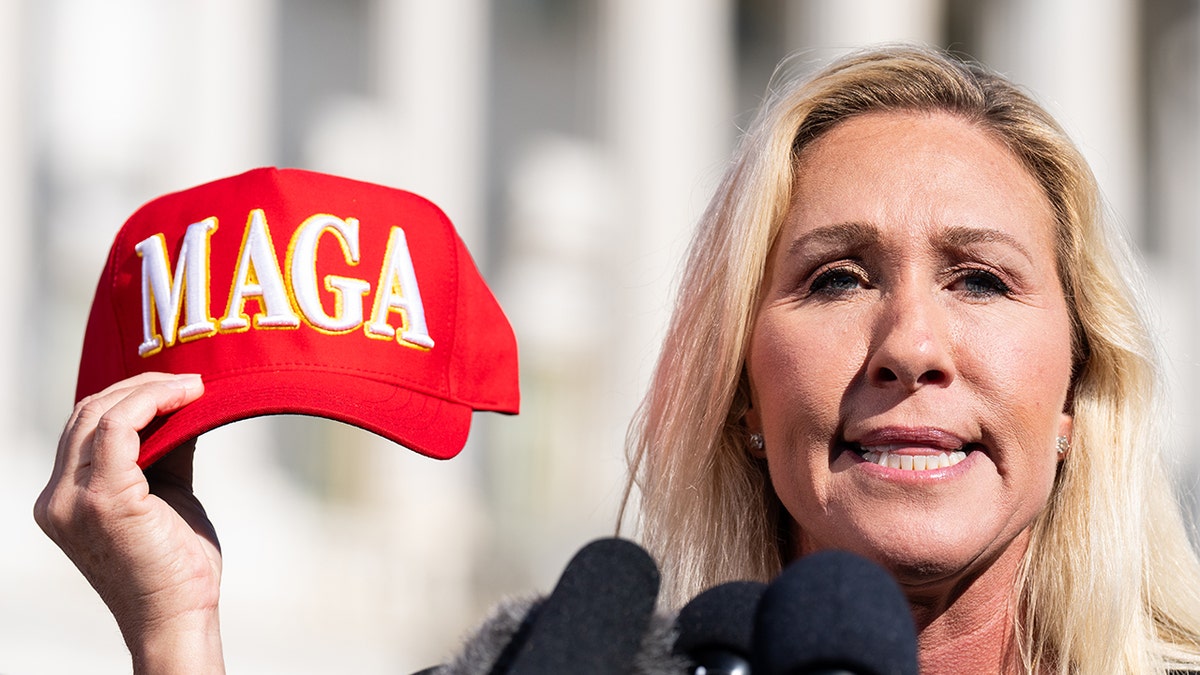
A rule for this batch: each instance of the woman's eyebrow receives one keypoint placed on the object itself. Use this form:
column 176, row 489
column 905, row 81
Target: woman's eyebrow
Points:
column 851, row 234
column 959, row 238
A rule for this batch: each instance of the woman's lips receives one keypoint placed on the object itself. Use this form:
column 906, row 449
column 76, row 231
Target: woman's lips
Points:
column 910, row 448
column 928, row 437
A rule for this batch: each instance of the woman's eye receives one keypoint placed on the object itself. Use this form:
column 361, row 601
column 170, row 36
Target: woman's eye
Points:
column 981, row 284
column 838, row 281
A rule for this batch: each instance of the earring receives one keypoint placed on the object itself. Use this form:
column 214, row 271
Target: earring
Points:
column 756, row 441
column 1062, row 443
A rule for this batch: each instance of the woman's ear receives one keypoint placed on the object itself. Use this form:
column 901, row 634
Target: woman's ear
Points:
column 753, row 424
column 1066, row 433
column 750, row 421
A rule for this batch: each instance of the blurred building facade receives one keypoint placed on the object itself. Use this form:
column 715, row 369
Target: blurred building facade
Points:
column 574, row 143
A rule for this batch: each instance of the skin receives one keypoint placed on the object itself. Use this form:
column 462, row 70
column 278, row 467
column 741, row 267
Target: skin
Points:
column 912, row 303
column 141, row 539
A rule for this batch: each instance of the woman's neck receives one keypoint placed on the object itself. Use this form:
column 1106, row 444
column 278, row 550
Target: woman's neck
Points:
column 969, row 627
column 957, row 644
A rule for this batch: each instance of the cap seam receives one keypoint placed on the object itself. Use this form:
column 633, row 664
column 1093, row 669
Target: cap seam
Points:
column 452, row 383
column 112, row 268
column 325, row 367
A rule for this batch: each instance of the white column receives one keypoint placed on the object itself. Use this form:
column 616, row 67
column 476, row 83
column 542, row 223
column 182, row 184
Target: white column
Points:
column 433, row 73
column 224, row 94
column 668, row 77
column 15, row 183
column 1188, row 33
column 1174, row 192
column 103, row 123
column 831, row 26
column 424, row 131
column 1080, row 59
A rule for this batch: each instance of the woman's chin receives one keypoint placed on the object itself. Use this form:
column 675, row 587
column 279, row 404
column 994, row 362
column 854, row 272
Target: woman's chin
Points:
column 926, row 556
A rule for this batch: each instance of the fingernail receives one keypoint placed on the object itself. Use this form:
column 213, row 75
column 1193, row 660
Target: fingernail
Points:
column 188, row 380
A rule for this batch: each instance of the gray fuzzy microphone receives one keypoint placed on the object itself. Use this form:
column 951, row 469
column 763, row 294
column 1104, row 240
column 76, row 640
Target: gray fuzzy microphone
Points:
column 598, row 620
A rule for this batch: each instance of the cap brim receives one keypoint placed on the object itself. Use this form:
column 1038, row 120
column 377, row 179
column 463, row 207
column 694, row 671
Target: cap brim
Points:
column 427, row 424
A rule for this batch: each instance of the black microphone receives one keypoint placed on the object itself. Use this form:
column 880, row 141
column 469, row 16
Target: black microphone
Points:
column 831, row 613
column 594, row 622
column 716, row 628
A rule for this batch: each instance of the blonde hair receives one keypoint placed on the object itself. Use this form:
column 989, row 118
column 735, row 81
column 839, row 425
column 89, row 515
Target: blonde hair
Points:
column 1108, row 584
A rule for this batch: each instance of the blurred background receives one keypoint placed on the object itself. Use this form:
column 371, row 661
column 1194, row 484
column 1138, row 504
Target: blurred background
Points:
column 574, row 143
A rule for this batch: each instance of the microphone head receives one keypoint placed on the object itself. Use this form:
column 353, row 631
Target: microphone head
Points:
column 720, row 619
column 491, row 646
column 595, row 619
column 833, row 610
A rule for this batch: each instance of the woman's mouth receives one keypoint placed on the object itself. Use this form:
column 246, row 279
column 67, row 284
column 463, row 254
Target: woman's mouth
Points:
column 901, row 457
column 911, row 448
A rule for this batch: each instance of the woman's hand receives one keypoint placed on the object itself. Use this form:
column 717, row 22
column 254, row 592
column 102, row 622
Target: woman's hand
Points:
column 142, row 539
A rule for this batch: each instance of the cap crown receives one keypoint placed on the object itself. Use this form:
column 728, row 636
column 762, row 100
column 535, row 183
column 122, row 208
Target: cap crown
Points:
column 304, row 280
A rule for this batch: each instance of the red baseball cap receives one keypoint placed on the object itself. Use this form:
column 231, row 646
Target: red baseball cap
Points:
column 292, row 291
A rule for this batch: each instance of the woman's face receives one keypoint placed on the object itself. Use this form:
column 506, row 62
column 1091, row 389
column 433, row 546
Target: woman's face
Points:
column 912, row 316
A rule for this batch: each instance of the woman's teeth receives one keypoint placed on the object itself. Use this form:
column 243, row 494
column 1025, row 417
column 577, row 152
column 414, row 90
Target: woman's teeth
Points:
column 939, row 460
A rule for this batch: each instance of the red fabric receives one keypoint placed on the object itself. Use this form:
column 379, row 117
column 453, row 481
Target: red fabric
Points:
column 420, row 398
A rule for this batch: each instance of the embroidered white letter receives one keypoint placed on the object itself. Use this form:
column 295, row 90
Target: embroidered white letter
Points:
column 162, row 294
column 397, row 291
column 258, row 276
column 302, row 274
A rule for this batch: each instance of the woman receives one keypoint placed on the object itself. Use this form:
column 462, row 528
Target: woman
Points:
column 904, row 330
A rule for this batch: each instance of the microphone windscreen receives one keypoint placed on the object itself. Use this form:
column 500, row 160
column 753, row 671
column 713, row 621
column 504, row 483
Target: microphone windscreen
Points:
column 720, row 619
column 594, row 620
column 490, row 648
column 830, row 611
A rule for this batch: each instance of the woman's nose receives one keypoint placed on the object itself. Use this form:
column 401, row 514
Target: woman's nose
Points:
column 911, row 347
